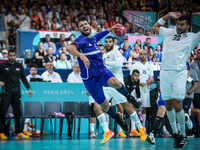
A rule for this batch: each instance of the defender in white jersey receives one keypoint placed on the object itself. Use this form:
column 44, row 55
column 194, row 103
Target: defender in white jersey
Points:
column 146, row 79
column 176, row 48
column 113, row 61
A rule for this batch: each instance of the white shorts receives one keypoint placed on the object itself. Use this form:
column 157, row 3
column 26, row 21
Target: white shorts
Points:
column 173, row 84
column 113, row 93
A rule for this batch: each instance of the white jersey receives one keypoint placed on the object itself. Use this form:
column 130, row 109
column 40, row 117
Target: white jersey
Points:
column 176, row 48
column 114, row 63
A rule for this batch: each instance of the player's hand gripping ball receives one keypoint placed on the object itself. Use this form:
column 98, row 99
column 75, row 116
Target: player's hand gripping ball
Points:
column 121, row 31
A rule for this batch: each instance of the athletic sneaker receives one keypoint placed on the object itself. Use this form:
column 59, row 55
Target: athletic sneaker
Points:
column 21, row 136
column 151, row 138
column 27, row 133
column 188, row 121
column 92, row 135
column 181, row 142
column 166, row 134
column 121, row 122
column 3, row 137
column 134, row 133
column 121, row 134
column 176, row 139
column 38, row 134
column 107, row 136
column 134, row 102
column 189, row 133
column 143, row 135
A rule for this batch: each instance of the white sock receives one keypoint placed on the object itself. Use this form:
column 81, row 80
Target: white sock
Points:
column 181, row 120
column 107, row 118
column 102, row 121
column 144, row 119
column 132, row 125
column 25, row 126
column 135, row 118
column 92, row 127
column 164, row 128
column 172, row 120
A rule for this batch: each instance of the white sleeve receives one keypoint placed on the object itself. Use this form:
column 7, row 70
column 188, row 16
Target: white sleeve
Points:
column 70, row 79
column 59, row 78
column 163, row 31
column 151, row 71
column 196, row 38
column 44, row 78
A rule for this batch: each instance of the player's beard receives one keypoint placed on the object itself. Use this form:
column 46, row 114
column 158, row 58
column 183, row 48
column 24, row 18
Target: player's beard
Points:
column 182, row 31
column 11, row 60
column 111, row 47
column 86, row 34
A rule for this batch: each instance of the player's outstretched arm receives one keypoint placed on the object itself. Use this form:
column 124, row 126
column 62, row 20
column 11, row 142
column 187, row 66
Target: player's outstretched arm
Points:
column 72, row 49
column 162, row 20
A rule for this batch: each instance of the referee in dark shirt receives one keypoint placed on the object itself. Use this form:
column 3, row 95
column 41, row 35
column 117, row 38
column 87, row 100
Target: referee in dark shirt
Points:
column 11, row 72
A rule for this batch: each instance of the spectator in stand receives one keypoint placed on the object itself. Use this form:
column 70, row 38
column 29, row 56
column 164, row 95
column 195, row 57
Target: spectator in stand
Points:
column 155, row 65
column 67, row 28
column 34, row 25
column 125, row 41
column 145, row 47
column 150, row 55
column 33, row 73
column 25, row 22
column 12, row 33
column 74, row 10
column 140, row 30
column 53, row 10
column 43, row 13
column 68, row 20
column 4, row 53
column 190, row 58
column 195, row 53
column 4, row 33
column 148, row 43
column 73, row 26
column 46, row 26
column 41, row 26
column 136, row 50
column 39, row 55
column 100, row 18
column 163, row 8
column 157, row 53
column 64, row 23
column 50, row 75
column 49, row 57
column 75, row 76
column 93, row 26
column 126, row 50
column 127, row 26
column 105, row 26
column 71, row 39
column 139, row 43
column 59, row 43
column 132, row 29
column 52, row 46
column 71, row 16
column 13, row 16
column 54, row 27
column 99, row 29
column 68, row 56
column 111, row 21
column 63, row 11
column 131, row 58
column 120, row 21
column 35, row 17
column 62, row 63
column 161, row 46
column 55, row 21
column 115, row 43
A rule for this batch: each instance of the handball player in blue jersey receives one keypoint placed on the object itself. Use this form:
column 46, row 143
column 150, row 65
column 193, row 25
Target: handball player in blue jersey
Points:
column 94, row 73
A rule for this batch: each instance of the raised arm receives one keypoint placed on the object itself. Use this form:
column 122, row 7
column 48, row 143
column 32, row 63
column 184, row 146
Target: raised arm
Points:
column 162, row 20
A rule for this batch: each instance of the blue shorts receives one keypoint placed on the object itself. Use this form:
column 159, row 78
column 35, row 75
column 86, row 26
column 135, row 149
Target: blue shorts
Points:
column 94, row 85
column 161, row 102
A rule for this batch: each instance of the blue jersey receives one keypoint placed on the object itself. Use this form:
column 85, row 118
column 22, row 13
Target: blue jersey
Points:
column 89, row 47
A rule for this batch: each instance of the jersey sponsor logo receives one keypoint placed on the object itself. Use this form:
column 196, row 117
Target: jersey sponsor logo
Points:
column 17, row 69
column 7, row 69
column 90, row 44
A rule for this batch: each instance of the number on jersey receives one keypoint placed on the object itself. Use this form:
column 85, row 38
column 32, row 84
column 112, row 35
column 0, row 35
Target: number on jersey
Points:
column 177, row 37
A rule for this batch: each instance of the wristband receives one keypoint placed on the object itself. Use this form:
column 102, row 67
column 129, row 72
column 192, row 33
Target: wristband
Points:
column 188, row 93
column 161, row 21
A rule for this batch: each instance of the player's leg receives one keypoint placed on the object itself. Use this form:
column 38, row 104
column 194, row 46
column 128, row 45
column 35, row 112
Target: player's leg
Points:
column 121, row 111
column 131, row 111
column 196, row 112
column 186, row 106
column 113, row 82
column 178, row 94
column 92, row 121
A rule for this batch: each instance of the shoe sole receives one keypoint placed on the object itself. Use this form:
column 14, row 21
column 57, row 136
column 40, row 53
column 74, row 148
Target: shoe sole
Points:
column 109, row 138
column 119, row 136
column 149, row 140
column 133, row 135
column 180, row 147
column 92, row 136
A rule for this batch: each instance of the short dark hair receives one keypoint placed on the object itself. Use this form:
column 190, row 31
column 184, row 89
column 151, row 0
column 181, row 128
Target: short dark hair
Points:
column 115, row 38
column 148, row 38
column 101, row 45
column 137, row 71
column 82, row 18
column 198, row 50
column 33, row 66
column 49, row 62
column 62, row 53
column 184, row 17
column 63, row 41
column 11, row 51
column 47, row 35
column 110, row 37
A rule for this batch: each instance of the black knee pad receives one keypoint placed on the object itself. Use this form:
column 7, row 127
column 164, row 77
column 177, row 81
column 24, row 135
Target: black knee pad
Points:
column 92, row 114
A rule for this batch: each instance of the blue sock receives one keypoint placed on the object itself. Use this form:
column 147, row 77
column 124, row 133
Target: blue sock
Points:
column 122, row 90
column 111, row 112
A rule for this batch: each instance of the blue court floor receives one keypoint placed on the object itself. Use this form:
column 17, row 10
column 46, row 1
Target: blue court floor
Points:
column 83, row 143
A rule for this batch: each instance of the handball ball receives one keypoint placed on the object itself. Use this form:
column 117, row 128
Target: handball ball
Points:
column 121, row 31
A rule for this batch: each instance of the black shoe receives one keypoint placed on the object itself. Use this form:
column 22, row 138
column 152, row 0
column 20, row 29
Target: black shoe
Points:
column 176, row 139
column 134, row 102
column 189, row 133
column 121, row 122
column 181, row 142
